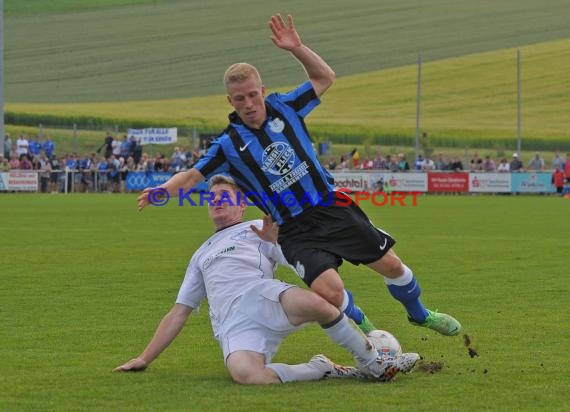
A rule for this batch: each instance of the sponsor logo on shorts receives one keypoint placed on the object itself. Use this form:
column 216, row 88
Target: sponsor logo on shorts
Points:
column 300, row 269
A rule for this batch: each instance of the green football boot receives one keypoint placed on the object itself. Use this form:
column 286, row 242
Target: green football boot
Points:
column 440, row 322
column 366, row 325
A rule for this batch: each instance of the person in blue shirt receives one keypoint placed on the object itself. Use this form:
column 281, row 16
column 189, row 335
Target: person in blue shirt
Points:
column 35, row 148
column 102, row 167
column 48, row 147
column 125, row 147
column 268, row 151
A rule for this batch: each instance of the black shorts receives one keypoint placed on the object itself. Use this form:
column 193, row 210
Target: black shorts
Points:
column 323, row 236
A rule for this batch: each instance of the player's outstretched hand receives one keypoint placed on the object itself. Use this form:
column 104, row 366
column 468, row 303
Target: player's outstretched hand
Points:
column 134, row 365
column 143, row 198
column 285, row 36
column 269, row 231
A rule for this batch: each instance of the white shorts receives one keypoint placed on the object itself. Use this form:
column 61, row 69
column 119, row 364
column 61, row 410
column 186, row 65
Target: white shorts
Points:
column 257, row 322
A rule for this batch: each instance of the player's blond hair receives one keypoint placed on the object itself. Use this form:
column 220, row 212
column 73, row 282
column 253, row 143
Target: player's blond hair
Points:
column 240, row 72
column 222, row 180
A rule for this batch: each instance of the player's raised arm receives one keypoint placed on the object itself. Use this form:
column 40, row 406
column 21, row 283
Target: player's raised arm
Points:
column 285, row 36
column 184, row 180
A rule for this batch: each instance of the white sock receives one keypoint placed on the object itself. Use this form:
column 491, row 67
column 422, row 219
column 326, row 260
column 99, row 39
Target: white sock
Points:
column 352, row 340
column 301, row 372
column 402, row 280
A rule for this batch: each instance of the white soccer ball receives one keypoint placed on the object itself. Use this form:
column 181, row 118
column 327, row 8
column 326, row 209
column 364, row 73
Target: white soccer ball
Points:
column 385, row 343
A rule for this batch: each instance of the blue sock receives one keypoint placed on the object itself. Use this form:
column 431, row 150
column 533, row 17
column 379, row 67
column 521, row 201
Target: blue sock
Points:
column 350, row 309
column 409, row 296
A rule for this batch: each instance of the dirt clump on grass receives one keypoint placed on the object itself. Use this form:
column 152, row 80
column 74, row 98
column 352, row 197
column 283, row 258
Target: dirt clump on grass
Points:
column 430, row 367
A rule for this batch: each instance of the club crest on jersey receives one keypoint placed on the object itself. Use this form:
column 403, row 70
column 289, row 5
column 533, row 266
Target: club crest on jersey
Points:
column 240, row 235
column 276, row 125
column 278, row 158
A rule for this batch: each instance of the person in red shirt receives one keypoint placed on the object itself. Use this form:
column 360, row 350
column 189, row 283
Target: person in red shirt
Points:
column 566, row 168
column 558, row 179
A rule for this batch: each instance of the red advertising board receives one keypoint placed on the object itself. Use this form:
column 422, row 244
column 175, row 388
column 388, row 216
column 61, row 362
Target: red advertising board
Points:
column 448, row 182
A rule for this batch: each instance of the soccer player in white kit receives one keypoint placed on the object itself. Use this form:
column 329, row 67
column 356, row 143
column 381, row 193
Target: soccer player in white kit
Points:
column 251, row 312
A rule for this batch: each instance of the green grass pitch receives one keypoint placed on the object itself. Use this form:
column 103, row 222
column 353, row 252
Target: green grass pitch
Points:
column 86, row 279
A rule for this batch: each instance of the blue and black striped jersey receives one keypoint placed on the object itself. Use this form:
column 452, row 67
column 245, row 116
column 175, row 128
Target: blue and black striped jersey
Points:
column 276, row 166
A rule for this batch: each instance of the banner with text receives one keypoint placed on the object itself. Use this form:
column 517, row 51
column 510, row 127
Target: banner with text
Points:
column 356, row 181
column 370, row 181
column 142, row 180
column 489, row 182
column 19, row 181
column 155, row 135
column 448, row 182
column 532, row 183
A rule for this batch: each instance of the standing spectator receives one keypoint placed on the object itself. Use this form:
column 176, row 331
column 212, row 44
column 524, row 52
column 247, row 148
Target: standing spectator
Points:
column 558, row 179
column 36, row 164
column 441, row 162
column 7, row 146
column 34, row 148
column 332, row 163
column 476, row 163
column 49, row 147
column 158, row 163
column 428, row 164
column 116, row 148
column 55, row 172
column 123, row 171
column 177, row 161
column 403, row 165
column 379, row 162
column 130, row 166
column 137, row 150
column 84, row 165
column 114, row 174
column 566, row 168
column 456, row 165
column 143, row 164
column 367, row 163
column 536, row 163
column 45, row 168
column 489, row 164
column 557, row 161
column 419, row 162
column 516, row 164
column 504, row 166
column 108, row 145
column 125, row 148
column 150, row 166
column 393, row 165
column 22, row 145
column 343, row 162
column 103, row 178
column 71, row 165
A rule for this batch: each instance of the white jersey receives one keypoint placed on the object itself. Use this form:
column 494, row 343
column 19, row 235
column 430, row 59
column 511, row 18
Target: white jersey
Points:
column 227, row 265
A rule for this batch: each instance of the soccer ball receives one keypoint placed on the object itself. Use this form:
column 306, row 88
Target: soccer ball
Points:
column 385, row 343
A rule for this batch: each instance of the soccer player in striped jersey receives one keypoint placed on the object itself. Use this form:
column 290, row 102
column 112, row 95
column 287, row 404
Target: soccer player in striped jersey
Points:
column 251, row 312
column 267, row 149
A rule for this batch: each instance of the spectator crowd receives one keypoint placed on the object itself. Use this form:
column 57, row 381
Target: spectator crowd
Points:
column 106, row 169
